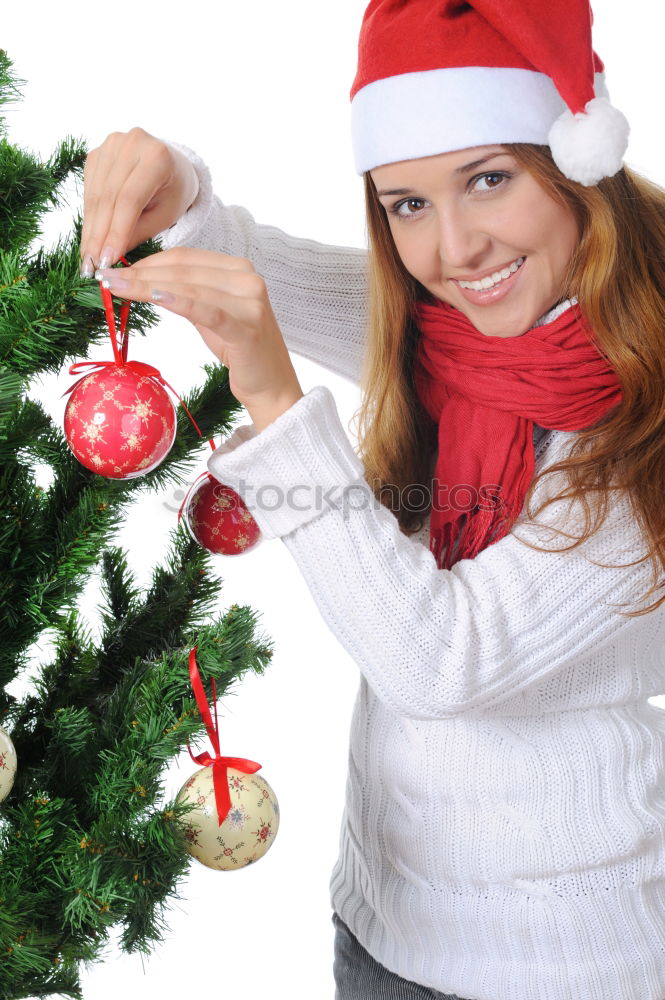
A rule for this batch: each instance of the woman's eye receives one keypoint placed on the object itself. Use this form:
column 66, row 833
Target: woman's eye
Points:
column 408, row 208
column 493, row 177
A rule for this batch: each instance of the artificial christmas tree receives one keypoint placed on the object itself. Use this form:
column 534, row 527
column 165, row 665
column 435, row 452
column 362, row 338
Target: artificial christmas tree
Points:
column 86, row 843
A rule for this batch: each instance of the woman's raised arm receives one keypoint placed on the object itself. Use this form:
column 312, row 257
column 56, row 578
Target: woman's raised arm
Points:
column 138, row 186
column 318, row 292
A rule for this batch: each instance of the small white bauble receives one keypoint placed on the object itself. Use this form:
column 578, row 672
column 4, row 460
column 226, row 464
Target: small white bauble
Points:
column 7, row 765
column 248, row 830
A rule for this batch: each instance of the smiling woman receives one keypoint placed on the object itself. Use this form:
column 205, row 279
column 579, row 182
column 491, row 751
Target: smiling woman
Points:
column 503, row 832
column 586, row 245
column 452, row 231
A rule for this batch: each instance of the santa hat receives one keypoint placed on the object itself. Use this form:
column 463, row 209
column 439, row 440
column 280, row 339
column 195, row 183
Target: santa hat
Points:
column 440, row 75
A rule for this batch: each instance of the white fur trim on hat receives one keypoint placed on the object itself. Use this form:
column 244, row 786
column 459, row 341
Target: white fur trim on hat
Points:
column 412, row 115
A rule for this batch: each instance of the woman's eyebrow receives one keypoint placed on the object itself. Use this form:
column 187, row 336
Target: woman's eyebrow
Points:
column 460, row 170
column 381, row 194
column 478, row 163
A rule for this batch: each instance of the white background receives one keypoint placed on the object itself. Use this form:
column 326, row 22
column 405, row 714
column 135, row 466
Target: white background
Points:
column 260, row 90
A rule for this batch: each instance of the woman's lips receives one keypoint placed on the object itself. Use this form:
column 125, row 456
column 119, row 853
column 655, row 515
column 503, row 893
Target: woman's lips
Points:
column 488, row 296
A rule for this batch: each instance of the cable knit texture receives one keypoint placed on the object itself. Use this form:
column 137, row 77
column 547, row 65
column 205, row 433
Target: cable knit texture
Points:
column 504, row 830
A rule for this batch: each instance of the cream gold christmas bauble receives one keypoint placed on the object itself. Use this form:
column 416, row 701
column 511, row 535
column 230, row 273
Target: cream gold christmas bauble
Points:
column 250, row 826
column 7, row 765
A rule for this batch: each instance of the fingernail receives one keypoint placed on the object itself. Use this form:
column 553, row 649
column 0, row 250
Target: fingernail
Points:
column 87, row 268
column 166, row 298
column 108, row 257
column 116, row 284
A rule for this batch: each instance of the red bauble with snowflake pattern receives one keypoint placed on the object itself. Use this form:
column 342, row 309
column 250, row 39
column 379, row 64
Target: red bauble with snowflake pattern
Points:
column 219, row 520
column 119, row 423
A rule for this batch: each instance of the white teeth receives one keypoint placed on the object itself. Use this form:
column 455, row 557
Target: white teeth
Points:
column 494, row 279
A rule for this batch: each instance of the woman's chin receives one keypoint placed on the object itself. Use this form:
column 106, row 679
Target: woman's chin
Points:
column 512, row 322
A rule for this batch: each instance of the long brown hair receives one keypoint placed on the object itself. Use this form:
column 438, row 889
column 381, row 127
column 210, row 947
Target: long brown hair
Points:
column 618, row 275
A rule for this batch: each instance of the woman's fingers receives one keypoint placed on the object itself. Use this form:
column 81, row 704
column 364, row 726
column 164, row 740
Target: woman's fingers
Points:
column 228, row 303
column 115, row 223
column 106, row 172
column 234, row 279
column 186, row 257
column 133, row 196
column 189, row 265
column 230, row 300
column 135, row 186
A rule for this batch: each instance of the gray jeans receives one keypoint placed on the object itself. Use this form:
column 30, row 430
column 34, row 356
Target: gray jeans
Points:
column 359, row 977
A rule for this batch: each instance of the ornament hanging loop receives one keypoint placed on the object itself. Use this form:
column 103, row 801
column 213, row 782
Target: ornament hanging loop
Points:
column 219, row 764
column 119, row 347
column 120, row 350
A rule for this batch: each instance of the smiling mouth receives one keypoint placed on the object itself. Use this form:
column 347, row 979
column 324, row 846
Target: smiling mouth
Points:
column 491, row 280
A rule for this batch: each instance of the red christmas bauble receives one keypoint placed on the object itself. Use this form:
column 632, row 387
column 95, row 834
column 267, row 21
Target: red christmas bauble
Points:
column 120, row 424
column 219, row 520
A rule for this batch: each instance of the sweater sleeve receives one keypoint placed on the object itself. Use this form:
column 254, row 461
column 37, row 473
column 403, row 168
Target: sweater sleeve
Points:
column 432, row 643
column 318, row 292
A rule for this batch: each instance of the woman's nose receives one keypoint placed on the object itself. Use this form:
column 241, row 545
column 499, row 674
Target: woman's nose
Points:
column 462, row 244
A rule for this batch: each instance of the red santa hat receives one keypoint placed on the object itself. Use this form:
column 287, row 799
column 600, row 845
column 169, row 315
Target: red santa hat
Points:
column 440, row 75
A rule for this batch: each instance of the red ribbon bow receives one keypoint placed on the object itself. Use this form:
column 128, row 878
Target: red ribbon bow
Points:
column 219, row 764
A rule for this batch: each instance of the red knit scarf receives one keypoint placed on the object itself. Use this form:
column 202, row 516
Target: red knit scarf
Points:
column 485, row 394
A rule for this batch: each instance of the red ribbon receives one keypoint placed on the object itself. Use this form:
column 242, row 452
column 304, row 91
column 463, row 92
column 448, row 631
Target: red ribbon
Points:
column 120, row 352
column 219, row 764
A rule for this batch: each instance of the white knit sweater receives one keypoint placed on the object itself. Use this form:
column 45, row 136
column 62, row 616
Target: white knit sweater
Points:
column 504, row 829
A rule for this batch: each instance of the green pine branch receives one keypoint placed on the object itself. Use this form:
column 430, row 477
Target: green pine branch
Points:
column 10, row 85
column 87, row 842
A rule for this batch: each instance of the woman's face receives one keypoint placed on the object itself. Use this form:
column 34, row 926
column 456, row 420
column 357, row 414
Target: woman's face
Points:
column 455, row 219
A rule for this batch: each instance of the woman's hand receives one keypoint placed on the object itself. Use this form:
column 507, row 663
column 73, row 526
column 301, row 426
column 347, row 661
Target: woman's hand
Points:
column 135, row 186
column 228, row 303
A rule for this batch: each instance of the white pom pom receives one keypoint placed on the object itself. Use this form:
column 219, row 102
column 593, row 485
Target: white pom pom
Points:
column 591, row 144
